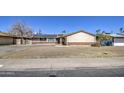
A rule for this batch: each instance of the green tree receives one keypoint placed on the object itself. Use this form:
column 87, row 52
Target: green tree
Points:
column 64, row 32
column 102, row 37
column 121, row 30
column 98, row 31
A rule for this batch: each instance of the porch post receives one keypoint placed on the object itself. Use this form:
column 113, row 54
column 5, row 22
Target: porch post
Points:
column 61, row 41
column 18, row 41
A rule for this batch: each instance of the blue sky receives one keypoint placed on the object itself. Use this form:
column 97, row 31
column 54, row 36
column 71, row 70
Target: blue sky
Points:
column 56, row 24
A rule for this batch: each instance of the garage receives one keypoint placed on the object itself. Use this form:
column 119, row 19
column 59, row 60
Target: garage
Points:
column 5, row 39
column 118, row 40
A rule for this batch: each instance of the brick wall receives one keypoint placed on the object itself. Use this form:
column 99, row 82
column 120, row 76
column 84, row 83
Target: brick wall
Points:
column 80, row 43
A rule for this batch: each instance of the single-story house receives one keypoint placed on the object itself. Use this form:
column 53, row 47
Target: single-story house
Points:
column 118, row 39
column 77, row 38
column 44, row 39
column 7, row 39
column 24, row 40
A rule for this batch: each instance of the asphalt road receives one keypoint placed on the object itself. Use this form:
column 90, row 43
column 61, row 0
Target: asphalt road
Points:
column 85, row 72
column 62, row 67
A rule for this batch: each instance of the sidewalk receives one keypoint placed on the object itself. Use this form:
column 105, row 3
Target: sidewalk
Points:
column 60, row 63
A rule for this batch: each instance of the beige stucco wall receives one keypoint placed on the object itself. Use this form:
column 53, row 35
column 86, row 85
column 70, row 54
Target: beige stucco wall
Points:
column 81, row 37
column 6, row 40
column 28, row 42
column 18, row 41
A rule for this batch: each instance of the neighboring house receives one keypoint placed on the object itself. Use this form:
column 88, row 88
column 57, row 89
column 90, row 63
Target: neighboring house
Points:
column 6, row 39
column 118, row 39
column 24, row 40
column 77, row 38
column 44, row 39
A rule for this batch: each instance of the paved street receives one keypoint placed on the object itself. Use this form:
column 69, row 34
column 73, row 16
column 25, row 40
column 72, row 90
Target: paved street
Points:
column 85, row 72
column 60, row 67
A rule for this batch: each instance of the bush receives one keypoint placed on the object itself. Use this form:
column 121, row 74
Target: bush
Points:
column 106, row 43
column 95, row 45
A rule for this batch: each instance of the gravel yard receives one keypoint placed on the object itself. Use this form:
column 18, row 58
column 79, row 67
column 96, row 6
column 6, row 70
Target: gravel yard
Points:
column 38, row 51
column 37, row 60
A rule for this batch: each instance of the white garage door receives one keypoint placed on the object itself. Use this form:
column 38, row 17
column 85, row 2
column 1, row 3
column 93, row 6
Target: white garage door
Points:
column 118, row 41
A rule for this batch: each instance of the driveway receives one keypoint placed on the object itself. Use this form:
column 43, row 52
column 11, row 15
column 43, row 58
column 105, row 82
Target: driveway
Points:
column 7, row 50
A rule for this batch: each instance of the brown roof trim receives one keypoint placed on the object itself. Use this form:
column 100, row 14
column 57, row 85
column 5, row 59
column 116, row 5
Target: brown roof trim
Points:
column 77, row 32
column 118, row 37
column 3, row 34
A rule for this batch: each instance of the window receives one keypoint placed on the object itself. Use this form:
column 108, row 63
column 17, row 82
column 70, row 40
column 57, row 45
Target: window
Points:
column 51, row 40
column 42, row 39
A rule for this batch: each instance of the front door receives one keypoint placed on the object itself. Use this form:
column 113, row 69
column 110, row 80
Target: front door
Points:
column 64, row 41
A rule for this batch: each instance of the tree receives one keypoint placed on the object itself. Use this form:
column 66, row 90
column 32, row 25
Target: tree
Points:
column 64, row 32
column 40, row 32
column 20, row 29
column 102, row 37
column 98, row 34
column 121, row 30
column 98, row 31
column 103, row 32
column 29, row 32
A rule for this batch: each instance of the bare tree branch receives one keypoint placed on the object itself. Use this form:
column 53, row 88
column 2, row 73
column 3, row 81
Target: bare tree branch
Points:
column 20, row 29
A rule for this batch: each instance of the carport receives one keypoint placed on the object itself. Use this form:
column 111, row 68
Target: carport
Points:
column 6, row 39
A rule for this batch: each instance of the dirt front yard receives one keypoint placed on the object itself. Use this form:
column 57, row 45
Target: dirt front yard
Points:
column 36, row 52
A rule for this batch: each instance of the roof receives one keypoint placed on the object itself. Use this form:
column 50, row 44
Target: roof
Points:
column 46, row 36
column 8, row 35
column 4, row 34
column 78, row 32
column 117, row 35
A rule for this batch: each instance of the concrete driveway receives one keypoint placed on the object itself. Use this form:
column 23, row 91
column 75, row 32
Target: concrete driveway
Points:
column 66, row 67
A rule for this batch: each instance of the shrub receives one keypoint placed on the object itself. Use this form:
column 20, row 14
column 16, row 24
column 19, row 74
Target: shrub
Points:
column 95, row 45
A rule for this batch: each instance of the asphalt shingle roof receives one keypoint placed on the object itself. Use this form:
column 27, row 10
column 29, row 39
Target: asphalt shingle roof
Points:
column 46, row 36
